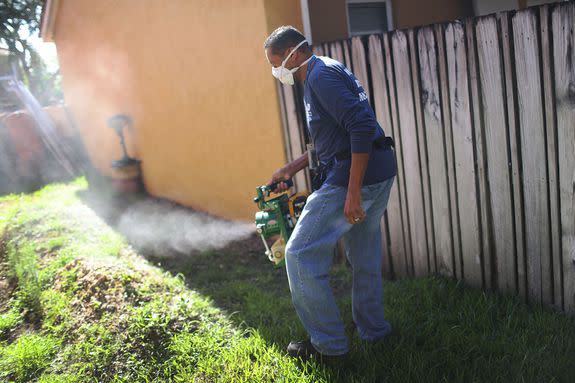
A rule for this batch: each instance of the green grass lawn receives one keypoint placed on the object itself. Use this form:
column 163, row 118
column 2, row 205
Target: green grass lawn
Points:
column 79, row 304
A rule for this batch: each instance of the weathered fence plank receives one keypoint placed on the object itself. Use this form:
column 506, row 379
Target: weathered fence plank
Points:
column 563, row 20
column 408, row 133
column 326, row 49
column 495, row 138
column 285, row 116
column 402, row 265
column 387, row 268
column 452, row 188
column 435, row 137
column 519, row 280
column 295, row 133
column 337, row 52
column 381, row 104
column 464, row 153
column 379, row 83
column 359, row 64
column 533, row 156
column 480, row 167
column 423, row 150
column 381, row 112
column 552, row 165
column 346, row 53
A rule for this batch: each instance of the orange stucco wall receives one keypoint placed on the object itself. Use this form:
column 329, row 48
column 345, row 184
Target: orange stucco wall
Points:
column 283, row 12
column 194, row 77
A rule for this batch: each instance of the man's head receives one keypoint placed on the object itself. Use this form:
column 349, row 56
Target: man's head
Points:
column 280, row 49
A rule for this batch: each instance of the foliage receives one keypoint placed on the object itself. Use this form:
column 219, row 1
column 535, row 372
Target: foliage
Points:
column 19, row 21
column 8, row 321
column 15, row 16
column 24, row 358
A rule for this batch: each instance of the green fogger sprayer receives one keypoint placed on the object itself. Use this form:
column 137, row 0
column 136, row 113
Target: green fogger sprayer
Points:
column 277, row 217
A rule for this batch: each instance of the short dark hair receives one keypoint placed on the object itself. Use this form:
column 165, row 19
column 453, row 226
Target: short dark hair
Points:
column 283, row 38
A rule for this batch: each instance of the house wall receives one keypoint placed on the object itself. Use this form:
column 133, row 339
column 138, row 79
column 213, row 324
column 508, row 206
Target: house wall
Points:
column 194, row 77
column 282, row 12
column 328, row 18
column 485, row 7
column 413, row 13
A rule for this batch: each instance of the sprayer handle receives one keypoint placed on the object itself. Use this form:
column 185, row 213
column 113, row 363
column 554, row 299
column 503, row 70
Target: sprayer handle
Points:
column 273, row 186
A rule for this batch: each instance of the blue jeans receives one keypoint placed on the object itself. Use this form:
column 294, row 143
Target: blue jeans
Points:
column 309, row 254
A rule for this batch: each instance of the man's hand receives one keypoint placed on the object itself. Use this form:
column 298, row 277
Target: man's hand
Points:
column 287, row 172
column 353, row 210
column 282, row 174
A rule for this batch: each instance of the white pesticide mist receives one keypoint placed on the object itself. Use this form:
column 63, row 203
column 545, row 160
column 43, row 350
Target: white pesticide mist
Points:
column 59, row 149
column 161, row 227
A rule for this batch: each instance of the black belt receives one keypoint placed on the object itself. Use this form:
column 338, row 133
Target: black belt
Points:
column 384, row 143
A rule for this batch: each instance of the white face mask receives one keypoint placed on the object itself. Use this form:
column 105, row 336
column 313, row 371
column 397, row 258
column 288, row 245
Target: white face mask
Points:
column 286, row 75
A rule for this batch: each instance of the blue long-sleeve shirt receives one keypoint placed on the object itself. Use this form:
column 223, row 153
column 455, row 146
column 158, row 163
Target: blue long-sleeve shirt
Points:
column 340, row 118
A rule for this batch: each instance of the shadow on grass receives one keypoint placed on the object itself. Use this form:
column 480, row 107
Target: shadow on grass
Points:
column 442, row 331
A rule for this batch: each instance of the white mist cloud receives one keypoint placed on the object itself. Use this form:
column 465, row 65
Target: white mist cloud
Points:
column 159, row 226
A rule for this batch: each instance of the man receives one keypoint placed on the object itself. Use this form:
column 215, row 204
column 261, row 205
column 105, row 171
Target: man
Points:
column 355, row 174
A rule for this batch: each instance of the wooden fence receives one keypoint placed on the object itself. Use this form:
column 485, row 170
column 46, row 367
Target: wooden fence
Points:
column 483, row 115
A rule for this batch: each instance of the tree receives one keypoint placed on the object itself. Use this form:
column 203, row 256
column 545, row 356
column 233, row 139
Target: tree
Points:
column 19, row 20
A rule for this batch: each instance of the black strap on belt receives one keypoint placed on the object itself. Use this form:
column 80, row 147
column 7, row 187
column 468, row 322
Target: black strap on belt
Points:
column 382, row 142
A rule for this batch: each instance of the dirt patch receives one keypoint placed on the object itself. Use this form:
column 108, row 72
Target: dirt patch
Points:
column 98, row 289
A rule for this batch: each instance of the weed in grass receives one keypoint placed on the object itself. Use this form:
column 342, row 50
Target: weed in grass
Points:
column 48, row 272
column 56, row 310
column 23, row 262
column 214, row 352
column 94, row 354
column 25, row 359
column 68, row 278
column 60, row 378
column 111, row 243
column 149, row 329
column 8, row 321
column 51, row 225
column 55, row 243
